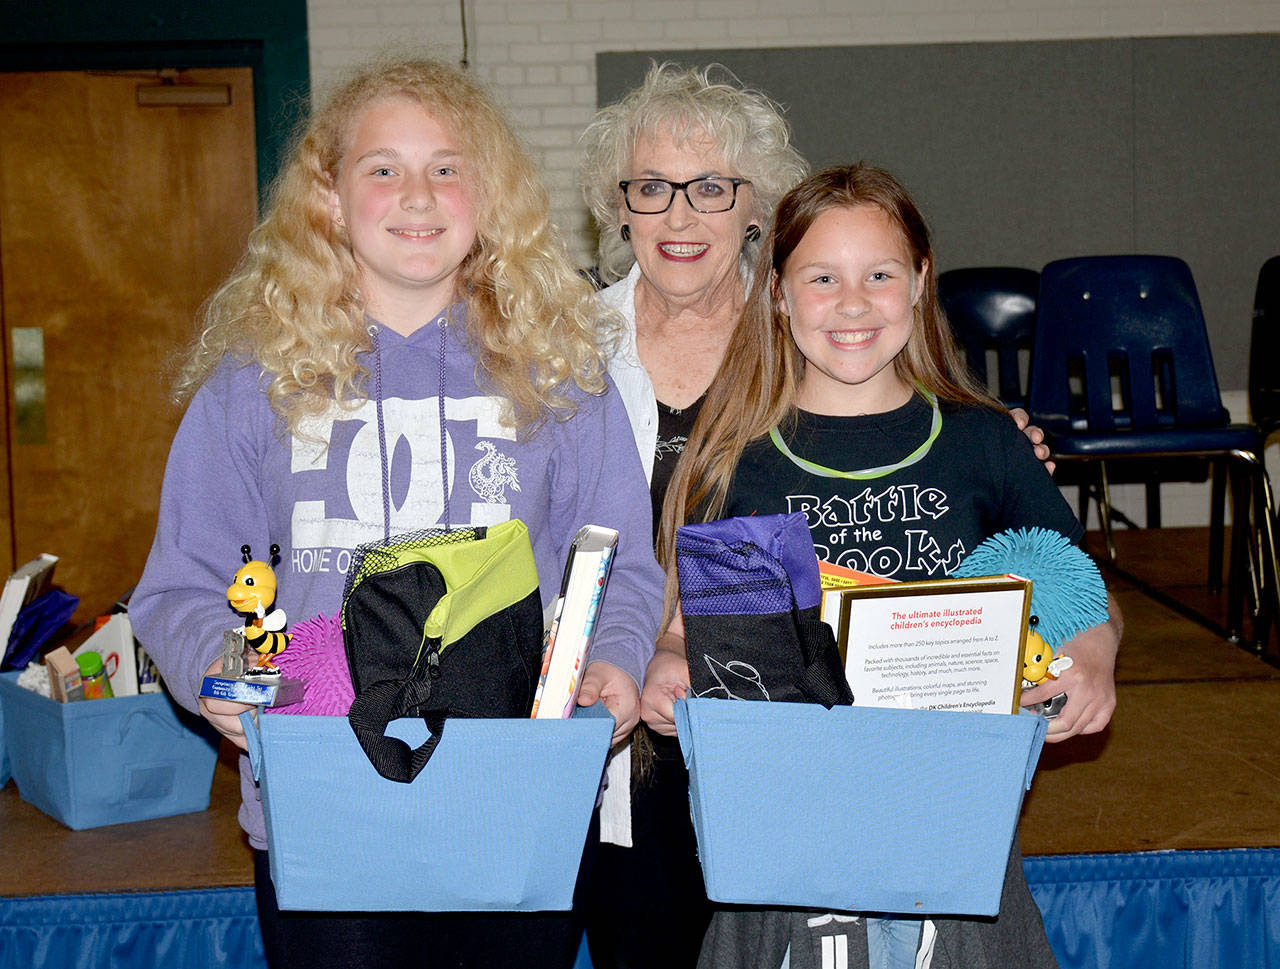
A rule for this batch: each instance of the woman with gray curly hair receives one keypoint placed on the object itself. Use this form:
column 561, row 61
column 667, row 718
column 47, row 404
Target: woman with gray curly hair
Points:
column 682, row 176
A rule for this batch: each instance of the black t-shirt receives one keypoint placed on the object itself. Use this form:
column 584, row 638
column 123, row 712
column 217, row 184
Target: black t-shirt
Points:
column 674, row 427
column 980, row 477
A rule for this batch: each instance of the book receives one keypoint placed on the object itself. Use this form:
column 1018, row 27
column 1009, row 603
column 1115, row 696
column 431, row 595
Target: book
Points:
column 113, row 640
column 64, row 676
column 27, row 584
column 833, row 580
column 832, row 577
column 941, row 644
column 148, row 675
column 573, row 623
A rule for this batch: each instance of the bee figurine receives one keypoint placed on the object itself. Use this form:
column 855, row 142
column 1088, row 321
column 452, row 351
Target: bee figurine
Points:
column 1039, row 663
column 252, row 593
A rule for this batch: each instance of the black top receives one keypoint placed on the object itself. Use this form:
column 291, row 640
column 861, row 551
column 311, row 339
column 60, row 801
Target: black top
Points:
column 674, row 427
column 980, row 477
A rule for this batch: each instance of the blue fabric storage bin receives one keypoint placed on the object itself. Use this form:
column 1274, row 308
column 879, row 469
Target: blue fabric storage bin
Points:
column 855, row 808
column 97, row 762
column 496, row 821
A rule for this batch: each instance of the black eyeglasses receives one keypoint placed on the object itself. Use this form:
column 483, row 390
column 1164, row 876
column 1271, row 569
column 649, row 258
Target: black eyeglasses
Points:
column 651, row 196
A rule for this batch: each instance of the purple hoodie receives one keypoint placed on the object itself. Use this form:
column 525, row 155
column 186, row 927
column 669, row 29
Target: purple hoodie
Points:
column 235, row 477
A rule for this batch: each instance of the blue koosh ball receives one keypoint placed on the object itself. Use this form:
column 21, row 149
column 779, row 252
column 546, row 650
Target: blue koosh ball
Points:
column 1067, row 591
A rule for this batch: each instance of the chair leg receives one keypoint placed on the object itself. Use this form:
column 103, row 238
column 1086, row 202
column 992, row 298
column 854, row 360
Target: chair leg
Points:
column 1104, row 510
column 1217, row 524
column 1264, row 532
column 1254, row 558
column 1153, row 504
column 1238, row 561
column 1249, row 531
column 1082, row 504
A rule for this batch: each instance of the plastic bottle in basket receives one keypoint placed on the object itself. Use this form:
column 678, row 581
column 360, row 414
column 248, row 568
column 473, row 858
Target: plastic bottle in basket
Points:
column 93, row 675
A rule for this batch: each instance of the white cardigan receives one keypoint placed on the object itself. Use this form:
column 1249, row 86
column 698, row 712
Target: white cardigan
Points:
column 636, row 389
column 628, row 373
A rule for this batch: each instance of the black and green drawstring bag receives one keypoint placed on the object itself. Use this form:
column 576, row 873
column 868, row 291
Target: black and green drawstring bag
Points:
column 439, row 624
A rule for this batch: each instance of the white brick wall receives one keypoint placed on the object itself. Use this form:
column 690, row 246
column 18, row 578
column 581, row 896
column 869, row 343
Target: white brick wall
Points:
column 539, row 55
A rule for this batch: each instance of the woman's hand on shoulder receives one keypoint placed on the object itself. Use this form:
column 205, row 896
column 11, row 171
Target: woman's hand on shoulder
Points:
column 1089, row 683
column 617, row 690
column 224, row 714
column 1034, row 435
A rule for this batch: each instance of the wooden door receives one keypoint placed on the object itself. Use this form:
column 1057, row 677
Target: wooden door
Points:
column 116, row 222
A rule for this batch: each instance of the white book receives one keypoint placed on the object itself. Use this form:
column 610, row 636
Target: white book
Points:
column 114, row 643
column 573, row 624
column 832, row 600
column 23, row 587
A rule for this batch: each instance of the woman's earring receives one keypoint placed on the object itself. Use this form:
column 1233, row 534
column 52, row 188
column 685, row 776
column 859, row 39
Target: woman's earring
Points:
column 753, row 233
column 625, row 232
column 338, row 221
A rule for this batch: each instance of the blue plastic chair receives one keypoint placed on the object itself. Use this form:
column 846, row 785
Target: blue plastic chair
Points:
column 994, row 308
column 1264, row 384
column 1122, row 368
column 992, row 311
column 1264, row 351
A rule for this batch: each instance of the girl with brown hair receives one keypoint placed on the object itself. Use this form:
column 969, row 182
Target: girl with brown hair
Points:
column 843, row 396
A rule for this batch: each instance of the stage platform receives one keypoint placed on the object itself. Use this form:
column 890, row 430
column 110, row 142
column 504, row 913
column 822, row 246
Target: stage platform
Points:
column 1156, row 842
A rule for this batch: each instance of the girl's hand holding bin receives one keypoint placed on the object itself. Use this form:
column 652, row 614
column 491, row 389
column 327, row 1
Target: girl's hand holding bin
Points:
column 666, row 680
column 604, row 681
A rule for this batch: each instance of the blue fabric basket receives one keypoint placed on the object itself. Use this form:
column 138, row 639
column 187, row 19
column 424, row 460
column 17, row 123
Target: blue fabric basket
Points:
column 496, row 821
column 855, row 808
column 97, row 762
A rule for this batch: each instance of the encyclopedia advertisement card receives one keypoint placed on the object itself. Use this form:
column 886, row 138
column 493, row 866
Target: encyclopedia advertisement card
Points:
column 951, row 644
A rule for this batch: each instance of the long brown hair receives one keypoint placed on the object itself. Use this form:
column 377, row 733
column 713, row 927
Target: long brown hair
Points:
column 755, row 388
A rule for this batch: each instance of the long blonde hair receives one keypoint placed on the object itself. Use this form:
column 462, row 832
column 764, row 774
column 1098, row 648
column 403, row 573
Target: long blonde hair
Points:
column 294, row 306
column 755, row 388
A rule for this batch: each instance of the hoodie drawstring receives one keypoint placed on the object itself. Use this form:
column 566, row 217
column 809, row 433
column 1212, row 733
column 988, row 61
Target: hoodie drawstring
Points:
column 444, row 449
column 372, row 330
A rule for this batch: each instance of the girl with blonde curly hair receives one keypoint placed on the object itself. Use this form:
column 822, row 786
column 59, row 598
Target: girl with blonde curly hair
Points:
column 297, row 302
column 404, row 345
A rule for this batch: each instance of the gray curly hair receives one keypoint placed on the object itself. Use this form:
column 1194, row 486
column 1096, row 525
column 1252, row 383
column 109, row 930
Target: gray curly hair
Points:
column 746, row 124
